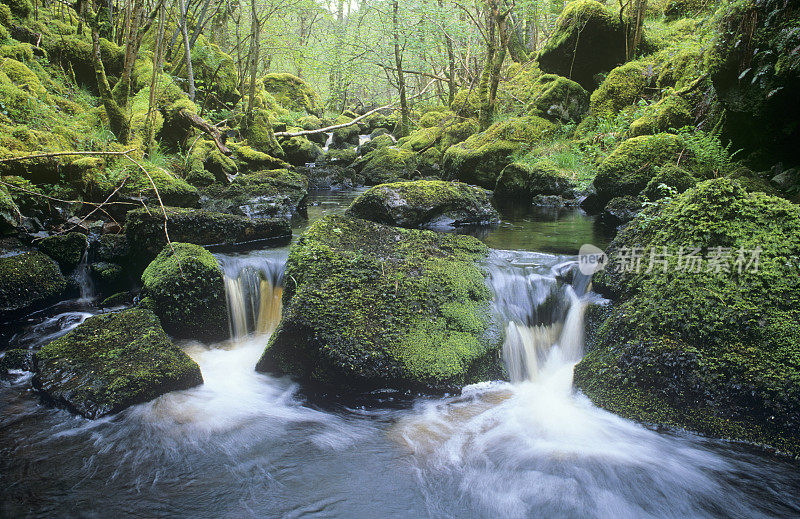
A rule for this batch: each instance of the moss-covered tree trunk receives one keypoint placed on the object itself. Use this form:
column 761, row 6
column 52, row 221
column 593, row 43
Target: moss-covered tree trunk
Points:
column 496, row 44
column 122, row 89
column 117, row 118
column 187, row 50
column 253, row 61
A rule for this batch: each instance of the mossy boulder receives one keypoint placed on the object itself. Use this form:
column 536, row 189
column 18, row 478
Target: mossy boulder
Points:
column 262, row 194
column 10, row 215
column 381, row 141
column 300, row 151
column 588, row 38
column 670, row 113
column 712, row 348
column 520, row 183
column 16, row 359
column 109, row 278
column 215, row 71
column 620, row 210
column 371, row 306
column 260, row 135
column 20, row 8
column 75, row 55
column 113, row 361
column 558, row 98
column 668, row 179
column 629, row 168
column 184, row 286
column 756, row 75
column 480, row 158
column 624, row 86
column 388, row 164
column 343, row 157
column 449, row 129
column 346, row 136
column 293, row 93
column 28, row 281
column 172, row 190
column 425, row 204
column 66, row 249
column 144, row 229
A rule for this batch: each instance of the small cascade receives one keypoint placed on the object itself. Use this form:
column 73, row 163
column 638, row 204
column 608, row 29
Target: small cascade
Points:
column 363, row 139
column 84, row 278
column 253, row 288
column 328, row 142
column 543, row 307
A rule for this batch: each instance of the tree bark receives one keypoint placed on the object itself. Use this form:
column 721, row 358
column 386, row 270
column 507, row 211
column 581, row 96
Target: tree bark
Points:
column 187, row 49
column 254, row 51
column 401, row 84
column 117, row 119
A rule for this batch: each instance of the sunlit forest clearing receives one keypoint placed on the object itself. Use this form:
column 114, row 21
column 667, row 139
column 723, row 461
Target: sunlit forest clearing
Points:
column 399, row 258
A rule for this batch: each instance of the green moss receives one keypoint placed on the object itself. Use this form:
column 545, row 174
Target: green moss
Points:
column 208, row 165
column 299, row 151
column 381, row 141
column 588, row 38
column 373, row 306
column 173, row 190
column 668, row 178
column 113, row 361
column 712, row 349
column 425, row 204
column 260, row 135
column 623, row 86
column 520, row 182
column 249, row 159
column 449, row 129
column 185, row 289
column 293, row 93
column 144, row 229
column 631, row 166
column 215, row 73
column 75, row 55
column 669, row 114
column 558, row 98
column 108, row 277
column 66, row 249
column 480, row 158
column 28, row 281
column 387, row 164
column 345, row 136
column 263, row 194
column 466, row 103
column 9, row 213
column 20, row 8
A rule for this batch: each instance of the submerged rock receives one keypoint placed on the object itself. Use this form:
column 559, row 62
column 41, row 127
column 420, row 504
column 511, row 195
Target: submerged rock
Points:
column 589, row 38
column 113, row 361
column 425, row 204
column 711, row 347
column 185, row 288
column 28, row 281
column 145, row 230
column 371, row 306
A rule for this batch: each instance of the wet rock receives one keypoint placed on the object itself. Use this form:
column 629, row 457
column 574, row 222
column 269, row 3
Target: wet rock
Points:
column 299, row 151
column 520, row 183
column 111, row 362
column 425, row 204
column 388, row 164
column 66, row 249
column 145, row 230
column 709, row 347
column 28, row 281
column 372, row 306
column 620, row 210
column 278, row 193
column 184, row 287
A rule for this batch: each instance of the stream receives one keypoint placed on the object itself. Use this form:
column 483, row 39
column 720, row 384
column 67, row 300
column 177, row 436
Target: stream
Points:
column 245, row 444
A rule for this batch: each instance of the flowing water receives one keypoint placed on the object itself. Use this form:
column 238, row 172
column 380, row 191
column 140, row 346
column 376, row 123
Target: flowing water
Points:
column 246, row 444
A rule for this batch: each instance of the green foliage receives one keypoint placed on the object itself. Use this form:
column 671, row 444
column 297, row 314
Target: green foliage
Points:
column 710, row 157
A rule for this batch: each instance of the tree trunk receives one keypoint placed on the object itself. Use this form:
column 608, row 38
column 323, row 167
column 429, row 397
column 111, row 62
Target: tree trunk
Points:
column 157, row 57
column 122, row 89
column 254, row 52
column 187, row 49
column 398, row 59
column 117, row 119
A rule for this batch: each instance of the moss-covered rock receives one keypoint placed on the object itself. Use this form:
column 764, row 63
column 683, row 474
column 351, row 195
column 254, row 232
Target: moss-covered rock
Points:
column 300, row 151
column 172, row 190
column 208, row 165
column 683, row 9
column 388, row 164
column 589, row 38
column 260, row 135
column 668, row 179
column 293, row 93
column 558, row 98
column 66, row 249
column 75, row 55
column 28, row 281
column 346, row 136
column 620, row 210
column 712, row 348
column 247, row 158
column 111, row 362
column 624, row 86
column 520, row 183
column 756, row 74
column 480, row 158
column 112, row 248
column 425, row 204
column 10, row 215
column 20, row 8
column 374, row 306
column 380, row 141
column 632, row 165
column 215, row 72
column 330, row 177
column 671, row 113
column 263, row 194
column 449, row 129
column 145, row 230
column 109, row 278
column 185, row 288
column 16, row 359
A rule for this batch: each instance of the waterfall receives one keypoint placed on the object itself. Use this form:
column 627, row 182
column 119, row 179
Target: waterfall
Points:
column 84, row 278
column 543, row 308
column 253, row 289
